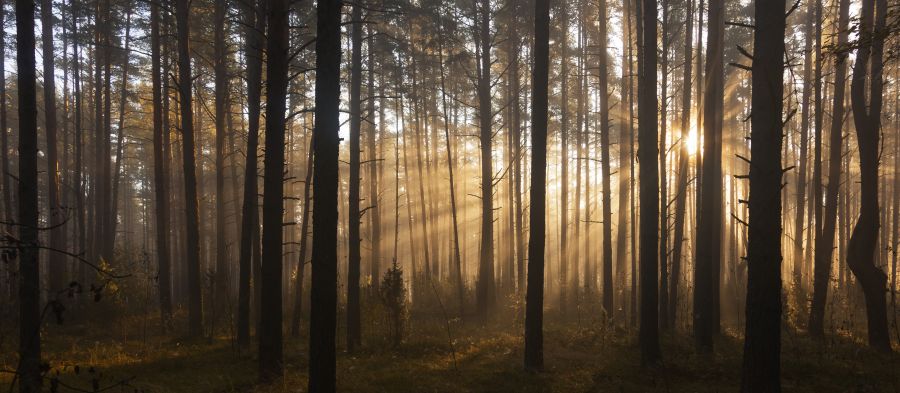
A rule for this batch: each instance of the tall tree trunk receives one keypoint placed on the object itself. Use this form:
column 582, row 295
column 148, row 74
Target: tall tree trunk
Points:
column 762, row 340
column 825, row 242
column 683, row 161
column 159, row 175
column 192, row 238
column 120, row 143
column 867, row 118
column 485, row 289
column 270, row 331
column 354, row 336
column 56, row 269
column 4, row 135
column 255, row 25
column 374, row 200
column 534, row 318
column 457, row 256
column 304, row 235
column 663, row 175
column 29, row 369
column 221, row 111
column 608, row 304
column 324, row 270
column 799, row 293
column 709, row 247
column 564, row 157
column 649, row 182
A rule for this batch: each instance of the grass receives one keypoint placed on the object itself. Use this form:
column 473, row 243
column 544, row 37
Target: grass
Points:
column 578, row 358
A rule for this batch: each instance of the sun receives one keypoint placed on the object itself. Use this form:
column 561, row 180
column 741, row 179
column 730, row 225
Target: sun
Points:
column 693, row 140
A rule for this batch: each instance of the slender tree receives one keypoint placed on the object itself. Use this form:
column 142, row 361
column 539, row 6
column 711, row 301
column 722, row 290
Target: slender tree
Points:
column 604, row 158
column 29, row 369
column 534, row 318
column 709, row 246
column 354, row 336
column 159, row 174
column 325, row 187
column 867, row 118
column 825, row 242
column 255, row 25
column 762, row 340
column 192, row 241
column 270, row 331
column 485, row 287
column 56, row 268
column 649, row 182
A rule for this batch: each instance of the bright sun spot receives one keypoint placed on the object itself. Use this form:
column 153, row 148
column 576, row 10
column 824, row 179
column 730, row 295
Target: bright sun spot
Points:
column 693, row 140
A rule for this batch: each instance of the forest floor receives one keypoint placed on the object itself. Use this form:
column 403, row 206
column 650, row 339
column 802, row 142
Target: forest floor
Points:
column 125, row 355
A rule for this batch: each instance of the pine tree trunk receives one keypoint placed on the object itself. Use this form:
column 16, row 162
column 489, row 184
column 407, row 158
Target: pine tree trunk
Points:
column 29, row 275
column 354, row 336
column 825, row 242
column 485, row 287
column 324, row 270
column 867, row 118
column 649, row 182
column 159, row 176
column 56, row 269
column 762, row 340
column 534, row 319
column 608, row 304
column 255, row 24
column 709, row 246
column 192, row 243
column 221, row 90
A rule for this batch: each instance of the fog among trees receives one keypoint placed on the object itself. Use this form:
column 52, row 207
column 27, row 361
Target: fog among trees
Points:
column 449, row 196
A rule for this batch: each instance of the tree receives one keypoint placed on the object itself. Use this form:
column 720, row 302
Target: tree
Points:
column 804, row 148
column 159, row 175
column 4, row 136
column 709, row 246
column 56, row 268
column 867, row 118
column 29, row 369
column 649, row 191
column 825, row 242
column 604, row 158
column 255, row 25
column 354, row 336
column 534, row 298
column 270, row 332
column 484, row 291
column 762, row 339
column 221, row 112
column 192, row 240
column 683, row 161
column 323, row 296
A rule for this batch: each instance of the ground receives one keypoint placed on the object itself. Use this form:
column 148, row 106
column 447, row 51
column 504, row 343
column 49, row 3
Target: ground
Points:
column 131, row 354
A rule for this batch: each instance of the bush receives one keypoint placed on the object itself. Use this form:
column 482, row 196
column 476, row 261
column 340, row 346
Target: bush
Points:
column 392, row 293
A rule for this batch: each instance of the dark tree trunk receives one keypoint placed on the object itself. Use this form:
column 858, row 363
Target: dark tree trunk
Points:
column 867, row 118
column 649, row 182
column 255, row 25
column 374, row 200
column 325, row 188
column 663, row 174
column 457, row 256
column 270, row 323
column 683, row 161
column 485, row 287
column 120, row 144
column 221, row 112
column 762, row 340
column 354, row 336
column 799, row 293
column 825, row 242
column 4, row 135
column 709, row 230
column 608, row 304
column 564, row 156
column 195, row 303
column 159, row 175
column 534, row 309
column 29, row 369
column 304, row 235
column 56, row 269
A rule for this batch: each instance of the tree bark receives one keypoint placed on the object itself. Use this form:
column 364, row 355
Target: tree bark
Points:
column 159, row 175
column 867, row 118
column 192, row 238
column 825, row 242
column 762, row 340
column 354, row 336
column 29, row 275
column 324, row 269
column 649, row 182
column 534, row 309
